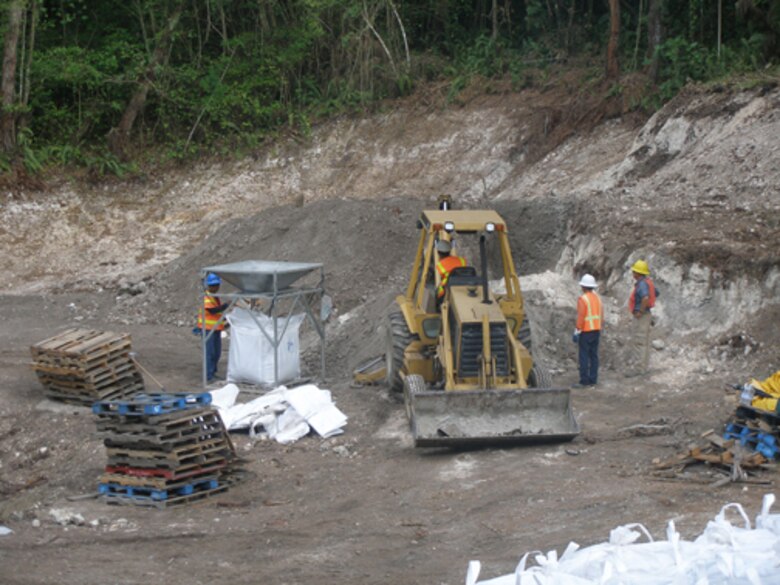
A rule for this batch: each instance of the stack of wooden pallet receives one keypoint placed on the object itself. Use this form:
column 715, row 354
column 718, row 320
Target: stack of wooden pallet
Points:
column 164, row 450
column 83, row 366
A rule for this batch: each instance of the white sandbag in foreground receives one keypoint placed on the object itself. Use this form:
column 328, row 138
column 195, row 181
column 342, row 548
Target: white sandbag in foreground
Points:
column 723, row 554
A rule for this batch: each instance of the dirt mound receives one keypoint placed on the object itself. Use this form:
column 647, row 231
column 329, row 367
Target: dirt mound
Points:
column 366, row 247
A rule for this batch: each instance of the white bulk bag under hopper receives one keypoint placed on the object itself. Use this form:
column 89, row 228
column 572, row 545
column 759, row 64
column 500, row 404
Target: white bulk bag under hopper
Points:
column 251, row 356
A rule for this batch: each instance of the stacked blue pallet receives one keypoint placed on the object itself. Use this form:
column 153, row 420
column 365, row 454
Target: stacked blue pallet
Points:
column 163, row 449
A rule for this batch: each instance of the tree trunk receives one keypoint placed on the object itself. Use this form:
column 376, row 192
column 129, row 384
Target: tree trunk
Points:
column 8, row 83
column 494, row 19
column 119, row 136
column 613, row 66
column 655, row 35
column 24, row 97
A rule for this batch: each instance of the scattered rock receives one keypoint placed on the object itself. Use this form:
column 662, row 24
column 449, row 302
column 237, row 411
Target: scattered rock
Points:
column 120, row 524
column 65, row 516
column 342, row 451
column 658, row 344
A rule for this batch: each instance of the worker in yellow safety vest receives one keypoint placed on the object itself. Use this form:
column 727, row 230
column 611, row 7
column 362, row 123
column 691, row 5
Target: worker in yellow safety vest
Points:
column 587, row 332
column 211, row 323
column 446, row 265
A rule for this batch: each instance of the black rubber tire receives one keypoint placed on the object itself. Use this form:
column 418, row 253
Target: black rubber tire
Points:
column 539, row 377
column 524, row 334
column 398, row 338
column 413, row 383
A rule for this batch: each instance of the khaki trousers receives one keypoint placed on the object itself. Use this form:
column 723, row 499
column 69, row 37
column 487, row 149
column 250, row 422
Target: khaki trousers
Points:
column 640, row 343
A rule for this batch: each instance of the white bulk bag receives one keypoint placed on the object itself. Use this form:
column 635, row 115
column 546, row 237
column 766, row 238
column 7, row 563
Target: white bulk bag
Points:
column 251, row 355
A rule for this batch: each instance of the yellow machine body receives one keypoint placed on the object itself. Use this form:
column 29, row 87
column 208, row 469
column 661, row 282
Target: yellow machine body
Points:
column 466, row 376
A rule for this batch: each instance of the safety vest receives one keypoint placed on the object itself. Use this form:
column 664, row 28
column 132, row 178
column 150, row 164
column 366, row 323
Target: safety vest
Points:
column 589, row 312
column 444, row 268
column 210, row 302
column 650, row 295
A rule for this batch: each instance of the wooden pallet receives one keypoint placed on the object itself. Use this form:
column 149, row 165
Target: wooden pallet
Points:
column 197, row 437
column 180, row 459
column 166, row 474
column 89, row 396
column 66, row 383
column 80, row 345
column 159, row 424
column 83, row 366
column 227, row 480
column 111, row 368
column 161, row 483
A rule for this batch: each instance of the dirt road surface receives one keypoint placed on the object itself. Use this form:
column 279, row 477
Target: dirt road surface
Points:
column 694, row 190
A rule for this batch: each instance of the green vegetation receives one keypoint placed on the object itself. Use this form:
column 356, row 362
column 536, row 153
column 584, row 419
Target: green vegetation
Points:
column 96, row 84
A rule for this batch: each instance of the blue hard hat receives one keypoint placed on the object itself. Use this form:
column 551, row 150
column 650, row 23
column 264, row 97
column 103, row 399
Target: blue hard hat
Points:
column 213, row 279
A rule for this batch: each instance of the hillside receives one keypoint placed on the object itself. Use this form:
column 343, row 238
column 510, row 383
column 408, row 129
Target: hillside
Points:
column 694, row 190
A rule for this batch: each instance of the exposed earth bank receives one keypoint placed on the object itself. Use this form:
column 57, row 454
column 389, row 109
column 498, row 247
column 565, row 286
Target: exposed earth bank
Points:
column 694, row 190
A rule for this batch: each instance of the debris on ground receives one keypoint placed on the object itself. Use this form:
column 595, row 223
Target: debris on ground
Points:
column 82, row 366
column 370, row 372
column 283, row 414
column 722, row 554
column 66, row 516
column 749, row 442
column 738, row 344
column 163, row 450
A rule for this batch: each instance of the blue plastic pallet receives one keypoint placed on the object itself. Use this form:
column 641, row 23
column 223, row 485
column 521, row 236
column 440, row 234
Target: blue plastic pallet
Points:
column 746, row 436
column 767, row 445
column 150, row 404
column 149, row 493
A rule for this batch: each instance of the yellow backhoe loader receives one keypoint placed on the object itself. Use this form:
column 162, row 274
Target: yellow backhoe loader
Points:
column 460, row 353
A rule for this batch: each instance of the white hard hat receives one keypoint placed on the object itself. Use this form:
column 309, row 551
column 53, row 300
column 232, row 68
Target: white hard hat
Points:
column 443, row 246
column 588, row 281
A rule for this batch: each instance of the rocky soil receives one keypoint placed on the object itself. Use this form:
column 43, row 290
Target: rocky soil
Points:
column 694, row 190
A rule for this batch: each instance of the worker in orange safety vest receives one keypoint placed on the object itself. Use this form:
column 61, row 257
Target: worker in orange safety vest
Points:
column 587, row 332
column 446, row 265
column 640, row 304
column 210, row 321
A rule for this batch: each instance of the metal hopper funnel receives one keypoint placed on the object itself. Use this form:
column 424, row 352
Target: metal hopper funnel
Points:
column 257, row 276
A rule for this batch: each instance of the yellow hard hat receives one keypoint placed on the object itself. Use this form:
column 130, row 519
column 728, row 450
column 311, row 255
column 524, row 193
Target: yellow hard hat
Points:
column 640, row 267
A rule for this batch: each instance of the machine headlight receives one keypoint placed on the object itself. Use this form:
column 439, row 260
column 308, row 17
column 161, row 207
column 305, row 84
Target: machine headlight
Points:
column 490, row 227
column 449, row 226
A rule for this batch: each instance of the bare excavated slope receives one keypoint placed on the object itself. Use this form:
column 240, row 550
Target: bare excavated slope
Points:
column 694, row 190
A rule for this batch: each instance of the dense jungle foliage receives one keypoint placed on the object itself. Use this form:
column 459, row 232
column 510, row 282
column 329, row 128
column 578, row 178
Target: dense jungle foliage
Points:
column 96, row 83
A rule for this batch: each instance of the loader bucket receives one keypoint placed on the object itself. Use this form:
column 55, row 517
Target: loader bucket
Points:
column 474, row 418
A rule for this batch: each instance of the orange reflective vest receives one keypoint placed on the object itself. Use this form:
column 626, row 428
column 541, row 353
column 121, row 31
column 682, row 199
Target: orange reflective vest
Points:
column 210, row 302
column 444, row 268
column 650, row 295
column 590, row 313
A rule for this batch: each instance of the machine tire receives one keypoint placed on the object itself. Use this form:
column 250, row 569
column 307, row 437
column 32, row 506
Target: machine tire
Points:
column 539, row 378
column 524, row 334
column 413, row 383
column 398, row 338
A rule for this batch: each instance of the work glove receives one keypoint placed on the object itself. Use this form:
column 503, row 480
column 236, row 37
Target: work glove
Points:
column 575, row 337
